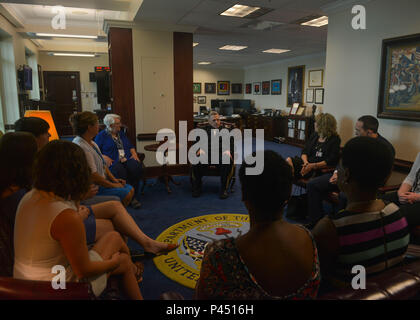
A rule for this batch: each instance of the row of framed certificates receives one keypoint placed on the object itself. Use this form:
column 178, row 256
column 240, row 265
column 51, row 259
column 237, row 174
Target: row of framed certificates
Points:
column 315, row 95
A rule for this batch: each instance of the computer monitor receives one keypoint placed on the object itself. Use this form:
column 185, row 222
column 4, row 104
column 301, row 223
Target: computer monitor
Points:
column 245, row 105
column 215, row 103
column 226, row 108
column 203, row 110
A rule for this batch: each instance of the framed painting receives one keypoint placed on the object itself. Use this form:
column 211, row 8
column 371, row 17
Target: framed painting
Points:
column 201, row 99
column 309, row 95
column 248, row 88
column 210, row 88
column 223, row 88
column 316, row 78
column 266, row 87
column 295, row 82
column 276, row 87
column 399, row 87
column 196, row 87
column 237, row 88
column 319, row 96
column 257, row 87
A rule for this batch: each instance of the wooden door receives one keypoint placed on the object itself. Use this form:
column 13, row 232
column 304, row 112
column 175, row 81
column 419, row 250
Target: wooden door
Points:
column 62, row 89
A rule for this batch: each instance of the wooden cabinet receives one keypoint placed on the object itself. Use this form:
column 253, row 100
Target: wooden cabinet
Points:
column 273, row 126
column 299, row 129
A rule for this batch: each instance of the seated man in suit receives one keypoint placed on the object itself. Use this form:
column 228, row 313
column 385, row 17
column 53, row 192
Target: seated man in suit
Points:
column 226, row 170
column 319, row 187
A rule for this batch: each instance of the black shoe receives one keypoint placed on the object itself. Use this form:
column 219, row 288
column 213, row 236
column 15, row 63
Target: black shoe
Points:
column 135, row 204
column 224, row 195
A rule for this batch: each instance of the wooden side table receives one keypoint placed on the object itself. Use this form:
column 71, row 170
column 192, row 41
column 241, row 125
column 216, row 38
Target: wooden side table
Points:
column 165, row 177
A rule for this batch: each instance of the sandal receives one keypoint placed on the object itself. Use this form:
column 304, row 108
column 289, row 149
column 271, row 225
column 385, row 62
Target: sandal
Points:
column 139, row 271
column 149, row 255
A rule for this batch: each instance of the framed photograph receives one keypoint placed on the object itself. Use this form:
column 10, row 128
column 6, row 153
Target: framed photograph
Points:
column 319, row 96
column 310, row 95
column 294, row 109
column 257, row 87
column 295, row 82
column 399, row 78
column 237, row 88
column 316, row 78
column 276, row 87
column 210, row 88
column 223, row 88
column 201, row 99
column 301, row 111
column 266, row 87
column 248, row 88
column 196, row 87
column 194, row 99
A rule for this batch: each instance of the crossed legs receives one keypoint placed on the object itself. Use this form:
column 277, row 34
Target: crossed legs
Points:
column 107, row 246
column 112, row 215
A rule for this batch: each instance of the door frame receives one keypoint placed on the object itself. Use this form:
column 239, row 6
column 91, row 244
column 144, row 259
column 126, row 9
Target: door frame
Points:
column 69, row 73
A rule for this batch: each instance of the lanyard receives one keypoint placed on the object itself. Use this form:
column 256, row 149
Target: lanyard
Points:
column 99, row 153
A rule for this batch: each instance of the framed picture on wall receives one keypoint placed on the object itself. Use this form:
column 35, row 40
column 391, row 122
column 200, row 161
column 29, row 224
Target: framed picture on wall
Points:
column 399, row 85
column 237, row 88
column 316, row 78
column 276, row 87
column 194, row 99
column 248, row 88
column 310, row 95
column 201, row 99
column 319, row 96
column 223, row 88
column 295, row 82
column 196, row 87
column 210, row 88
column 257, row 87
column 266, row 87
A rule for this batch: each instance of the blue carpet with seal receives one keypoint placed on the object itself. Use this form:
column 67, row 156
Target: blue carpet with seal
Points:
column 161, row 210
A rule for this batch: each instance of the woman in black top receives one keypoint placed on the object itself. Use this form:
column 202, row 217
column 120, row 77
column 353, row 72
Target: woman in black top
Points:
column 320, row 151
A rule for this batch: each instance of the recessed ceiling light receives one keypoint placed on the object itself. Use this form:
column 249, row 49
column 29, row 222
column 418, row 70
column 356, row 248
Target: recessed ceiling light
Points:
column 195, row 44
column 58, row 35
column 239, row 10
column 204, row 62
column 276, row 50
column 72, row 54
column 233, row 48
column 318, row 22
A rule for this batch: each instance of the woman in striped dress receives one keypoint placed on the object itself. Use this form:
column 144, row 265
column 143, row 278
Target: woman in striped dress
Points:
column 368, row 232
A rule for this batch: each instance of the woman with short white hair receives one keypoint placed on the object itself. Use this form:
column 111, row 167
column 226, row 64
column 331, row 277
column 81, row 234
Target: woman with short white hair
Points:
column 119, row 154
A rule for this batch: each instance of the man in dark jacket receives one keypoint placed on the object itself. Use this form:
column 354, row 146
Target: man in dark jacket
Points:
column 319, row 187
column 226, row 170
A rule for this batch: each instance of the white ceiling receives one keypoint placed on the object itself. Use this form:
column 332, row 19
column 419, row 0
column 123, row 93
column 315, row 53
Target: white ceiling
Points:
column 213, row 30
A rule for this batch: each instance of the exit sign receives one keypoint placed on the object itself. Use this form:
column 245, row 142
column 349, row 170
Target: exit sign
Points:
column 97, row 69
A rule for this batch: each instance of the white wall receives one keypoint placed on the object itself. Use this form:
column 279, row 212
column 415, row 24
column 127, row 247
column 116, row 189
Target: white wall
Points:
column 353, row 69
column 9, row 109
column 84, row 65
column 279, row 70
column 212, row 75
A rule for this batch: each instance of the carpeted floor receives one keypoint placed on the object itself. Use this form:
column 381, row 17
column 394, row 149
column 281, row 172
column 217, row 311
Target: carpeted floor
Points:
column 161, row 210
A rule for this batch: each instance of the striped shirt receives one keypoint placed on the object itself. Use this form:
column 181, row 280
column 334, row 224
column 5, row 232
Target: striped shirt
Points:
column 375, row 240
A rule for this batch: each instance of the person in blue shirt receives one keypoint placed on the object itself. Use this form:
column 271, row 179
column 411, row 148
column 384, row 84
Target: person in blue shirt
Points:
column 118, row 152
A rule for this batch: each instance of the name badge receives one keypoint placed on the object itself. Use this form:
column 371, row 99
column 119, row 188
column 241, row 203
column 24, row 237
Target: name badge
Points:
column 318, row 154
column 122, row 153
